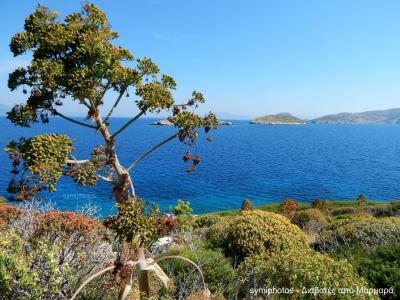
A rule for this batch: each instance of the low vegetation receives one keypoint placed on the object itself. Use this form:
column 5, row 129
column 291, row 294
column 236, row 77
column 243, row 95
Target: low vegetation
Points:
column 294, row 247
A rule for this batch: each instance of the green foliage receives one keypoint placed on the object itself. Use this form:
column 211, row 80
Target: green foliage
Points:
column 183, row 213
column 298, row 269
column 136, row 222
column 247, row 205
column 218, row 272
column 381, row 267
column 46, row 256
column 311, row 218
column 359, row 231
column 345, row 210
column 323, row 205
column 83, row 174
column 43, row 158
column 15, row 272
column 76, row 59
column 361, row 199
column 256, row 232
column 182, row 208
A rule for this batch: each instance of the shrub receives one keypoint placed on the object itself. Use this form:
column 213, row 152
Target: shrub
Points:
column 218, row 273
column 247, row 205
column 359, row 231
column 299, row 269
column 17, row 279
column 361, row 199
column 310, row 219
column 8, row 213
column 166, row 224
column 321, row 204
column 66, row 223
column 381, row 267
column 383, row 211
column 256, row 232
column 136, row 222
column 207, row 220
column 183, row 213
column 289, row 208
column 47, row 256
column 345, row 210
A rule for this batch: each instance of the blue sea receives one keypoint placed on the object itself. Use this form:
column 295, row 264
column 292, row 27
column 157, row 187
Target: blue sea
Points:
column 262, row 163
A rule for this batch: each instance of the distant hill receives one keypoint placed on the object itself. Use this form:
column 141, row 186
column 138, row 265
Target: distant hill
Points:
column 3, row 110
column 389, row 116
column 282, row 118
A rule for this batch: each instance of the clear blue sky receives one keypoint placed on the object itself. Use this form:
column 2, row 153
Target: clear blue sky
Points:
column 250, row 58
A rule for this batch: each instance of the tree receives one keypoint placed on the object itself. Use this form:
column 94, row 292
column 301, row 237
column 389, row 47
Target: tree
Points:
column 183, row 213
column 247, row 205
column 361, row 199
column 75, row 59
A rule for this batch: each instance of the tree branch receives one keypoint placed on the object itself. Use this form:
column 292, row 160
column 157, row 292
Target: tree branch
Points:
column 105, row 179
column 74, row 161
column 115, row 105
column 127, row 124
column 73, row 120
column 150, row 151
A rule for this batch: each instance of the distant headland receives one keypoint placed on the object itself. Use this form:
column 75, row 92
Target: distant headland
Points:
column 389, row 116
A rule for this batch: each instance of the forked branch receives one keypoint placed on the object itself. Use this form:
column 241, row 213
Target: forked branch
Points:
column 127, row 124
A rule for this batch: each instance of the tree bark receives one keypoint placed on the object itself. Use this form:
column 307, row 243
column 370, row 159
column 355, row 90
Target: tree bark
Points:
column 122, row 195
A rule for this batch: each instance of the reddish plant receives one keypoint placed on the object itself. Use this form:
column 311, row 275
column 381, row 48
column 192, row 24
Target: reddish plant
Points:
column 166, row 224
column 8, row 213
column 289, row 207
column 66, row 222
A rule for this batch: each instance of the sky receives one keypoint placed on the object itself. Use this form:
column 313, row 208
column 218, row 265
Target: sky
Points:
column 249, row 58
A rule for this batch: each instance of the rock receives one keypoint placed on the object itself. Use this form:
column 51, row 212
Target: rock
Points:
column 226, row 123
column 163, row 123
column 162, row 245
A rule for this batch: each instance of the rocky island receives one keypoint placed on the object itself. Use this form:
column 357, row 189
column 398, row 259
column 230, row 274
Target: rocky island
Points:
column 167, row 122
column 278, row 119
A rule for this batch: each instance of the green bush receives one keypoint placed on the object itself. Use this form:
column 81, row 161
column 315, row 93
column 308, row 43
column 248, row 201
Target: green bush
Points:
column 47, row 256
column 17, row 279
column 311, row 218
column 183, row 213
column 207, row 220
column 256, row 232
column 381, row 267
column 298, row 270
column 345, row 210
column 321, row 204
column 362, row 231
column 361, row 199
column 218, row 273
